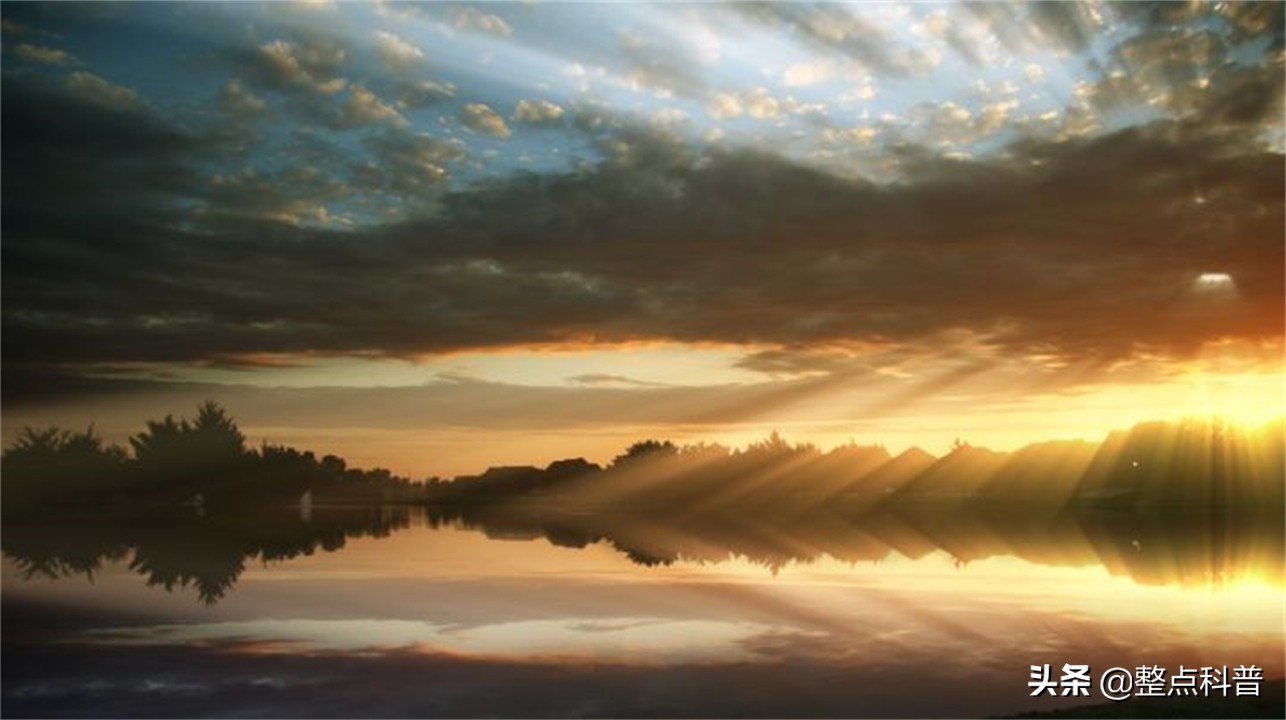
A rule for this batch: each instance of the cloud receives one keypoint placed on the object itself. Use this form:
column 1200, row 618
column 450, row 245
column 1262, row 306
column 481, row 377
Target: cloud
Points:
column 423, row 93
column 322, row 6
column 1066, row 240
column 994, row 117
column 293, row 196
column 100, row 91
column 1026, row 27
column 481, row 118
column 592, row 400
column 306, row 74
column 238, row 101
column 40, row 54
column 805, row 74
column 838, row 29
column 668, row 120
column 761, row 105
column 1253, row 20
column 1033, row 251
column 952, row 125
column 397, row 54
column 606, row 379
column 725, row 105
column 363, row 108
column 862, row 135
column 1241, row 97
column 1189, row 72
column 450, row 15
column 474, row 19
column 287, row 67
column 1069, row 26
column 538, row 112
column 408, row 164
column 787, row 655
column 756, row 102
column 13, row 27
column 89, row 142
column 669, row 70
column 801, row 361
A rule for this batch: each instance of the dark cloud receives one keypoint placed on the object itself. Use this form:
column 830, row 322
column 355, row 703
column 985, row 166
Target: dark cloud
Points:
column 449, row 402
column 1240, row 21
column 795, row 361
column 607, row 379
column 1083, row 248
column 130, row 236
column 72, row 140
column 294, row 195
column 89, row 185
column 1190, row 72
column 1072, row 26
column 1249, row 97
column 407, row 163
column 1217, row 64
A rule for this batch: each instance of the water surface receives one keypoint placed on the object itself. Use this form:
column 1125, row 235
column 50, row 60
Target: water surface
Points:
column 407, row 612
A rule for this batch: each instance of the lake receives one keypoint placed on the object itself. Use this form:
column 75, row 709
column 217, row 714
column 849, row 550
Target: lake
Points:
column 417, row 612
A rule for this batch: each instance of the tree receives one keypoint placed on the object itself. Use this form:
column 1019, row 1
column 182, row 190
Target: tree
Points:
column 54, row 465
column 192, row 457
column 216, row 433
column 646, row 449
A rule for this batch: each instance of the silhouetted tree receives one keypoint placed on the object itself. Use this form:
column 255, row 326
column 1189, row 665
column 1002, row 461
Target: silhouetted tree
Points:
column 192, row 458
column 775, row 444
column 184, row 550
column 216, row 433
column 646, row 449
column 59, row 466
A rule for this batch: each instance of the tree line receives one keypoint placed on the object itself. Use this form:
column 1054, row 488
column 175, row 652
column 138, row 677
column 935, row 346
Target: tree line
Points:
column 204, row 461
column 1192, row 464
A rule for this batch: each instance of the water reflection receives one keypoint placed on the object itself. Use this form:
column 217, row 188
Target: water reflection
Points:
column 427, row 613
column 1190, row 548
column 209, row 552
column 188, row 549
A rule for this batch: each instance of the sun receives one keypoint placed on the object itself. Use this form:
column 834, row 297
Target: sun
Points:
column 1214, row 281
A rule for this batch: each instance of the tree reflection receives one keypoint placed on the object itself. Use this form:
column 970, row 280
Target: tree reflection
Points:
column 1194, row 548
column 1193, row 502
column 187, row 550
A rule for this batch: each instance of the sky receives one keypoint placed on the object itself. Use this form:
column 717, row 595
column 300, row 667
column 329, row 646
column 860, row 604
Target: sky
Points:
column 441, row 236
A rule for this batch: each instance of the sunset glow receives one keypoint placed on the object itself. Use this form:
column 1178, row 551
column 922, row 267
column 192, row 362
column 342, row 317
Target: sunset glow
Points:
column 436, row 237
column 643, row 359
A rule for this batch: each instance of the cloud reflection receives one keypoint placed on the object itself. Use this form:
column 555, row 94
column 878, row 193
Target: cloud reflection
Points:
column 623, row 639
